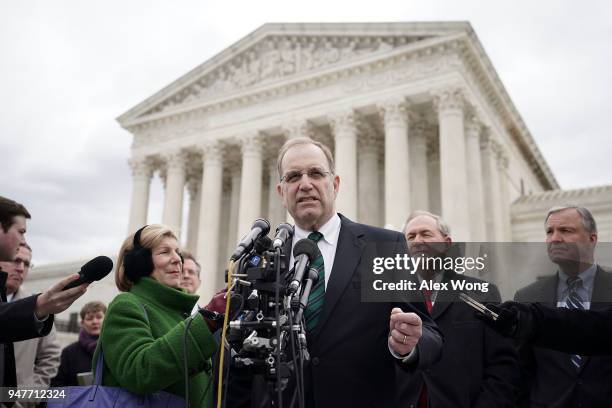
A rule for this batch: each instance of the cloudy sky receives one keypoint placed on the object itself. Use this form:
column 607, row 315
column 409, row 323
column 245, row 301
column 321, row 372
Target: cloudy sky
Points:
column 68, row 68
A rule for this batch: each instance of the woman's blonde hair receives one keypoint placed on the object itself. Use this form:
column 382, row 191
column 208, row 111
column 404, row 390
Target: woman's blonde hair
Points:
column 150, row 237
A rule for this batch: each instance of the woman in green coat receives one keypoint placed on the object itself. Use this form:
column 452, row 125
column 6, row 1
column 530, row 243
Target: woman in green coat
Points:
column 142, row 335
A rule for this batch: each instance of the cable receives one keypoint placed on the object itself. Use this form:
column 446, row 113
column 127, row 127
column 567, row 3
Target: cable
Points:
column 230, row 271
column 278, row 332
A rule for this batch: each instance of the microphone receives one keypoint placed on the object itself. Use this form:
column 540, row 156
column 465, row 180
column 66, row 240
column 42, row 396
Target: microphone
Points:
column 93, row 270
column 260, row 227
column 304, row 252
column 284, row 232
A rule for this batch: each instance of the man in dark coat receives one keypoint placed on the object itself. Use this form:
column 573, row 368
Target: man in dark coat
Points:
column 555, row 379
column 33, row 316
column 354, row 345
column 486, row 361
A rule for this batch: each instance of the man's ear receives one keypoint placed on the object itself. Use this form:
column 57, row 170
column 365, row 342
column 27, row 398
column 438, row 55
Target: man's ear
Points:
column 336, row 183
column 281, row 194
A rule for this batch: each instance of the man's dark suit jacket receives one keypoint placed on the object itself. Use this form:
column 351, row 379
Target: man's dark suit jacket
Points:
column 585, row 332
column 17, row 322
column 350, row 362
column 550, row 379
column 478, row 367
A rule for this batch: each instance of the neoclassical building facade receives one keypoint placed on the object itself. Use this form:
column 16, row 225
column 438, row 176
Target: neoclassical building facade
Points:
column 414, row 113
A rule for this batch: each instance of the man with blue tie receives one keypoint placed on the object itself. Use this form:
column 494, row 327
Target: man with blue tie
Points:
column 551, row 378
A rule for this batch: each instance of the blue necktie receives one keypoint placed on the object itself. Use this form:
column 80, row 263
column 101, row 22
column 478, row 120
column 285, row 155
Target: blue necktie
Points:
column 317, row 294
column 574, row 301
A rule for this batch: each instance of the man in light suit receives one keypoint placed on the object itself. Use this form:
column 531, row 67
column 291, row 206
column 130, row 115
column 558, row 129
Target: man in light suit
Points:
column 354, row 345
column 486, row 361
column 555, row 379
column 36, row 359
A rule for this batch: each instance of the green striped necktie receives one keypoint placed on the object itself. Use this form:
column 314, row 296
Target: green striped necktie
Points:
column 317, row 294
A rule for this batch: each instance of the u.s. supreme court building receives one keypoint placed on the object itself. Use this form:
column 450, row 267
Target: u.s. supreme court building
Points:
column 414, row 113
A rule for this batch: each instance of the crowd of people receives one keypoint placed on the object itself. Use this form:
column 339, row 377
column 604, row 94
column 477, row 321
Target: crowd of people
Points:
column 434, row 351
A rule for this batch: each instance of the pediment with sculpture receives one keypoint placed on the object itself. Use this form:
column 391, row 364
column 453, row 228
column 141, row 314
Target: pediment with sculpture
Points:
column 277, row 57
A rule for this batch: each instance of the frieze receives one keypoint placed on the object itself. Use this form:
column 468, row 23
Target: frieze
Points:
column 278, row 57
column 406, row 71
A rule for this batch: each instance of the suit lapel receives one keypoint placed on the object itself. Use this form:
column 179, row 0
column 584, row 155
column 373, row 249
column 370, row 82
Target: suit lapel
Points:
column 549, row 291
column 348, row 255
column 602, row 290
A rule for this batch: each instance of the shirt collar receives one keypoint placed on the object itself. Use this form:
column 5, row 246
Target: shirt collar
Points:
column 587, row 276
column 330, row 230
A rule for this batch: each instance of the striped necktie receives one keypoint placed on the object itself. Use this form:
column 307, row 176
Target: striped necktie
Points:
column 317, row 294
column 574, row 301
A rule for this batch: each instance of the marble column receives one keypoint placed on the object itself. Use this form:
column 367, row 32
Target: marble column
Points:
column 453, row 166
column 250, row 185
column 397, row 173
column 419, row 181
column 142, row 171
column 194, row 187
column 492, row 194
column 276, row 211
column 232, row 236
column 175, row 188
column 297, row 128
column 210, row 215
column 345, row 135
column 504, row 194
column 475, row 181
column 433, row 173
column 369, row 188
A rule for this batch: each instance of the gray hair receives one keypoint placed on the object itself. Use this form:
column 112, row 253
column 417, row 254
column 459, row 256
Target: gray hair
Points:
column 440, row 223
column 587, row 218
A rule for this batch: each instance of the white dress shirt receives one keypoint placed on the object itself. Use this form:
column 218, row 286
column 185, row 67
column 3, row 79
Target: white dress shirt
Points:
column 327, row 245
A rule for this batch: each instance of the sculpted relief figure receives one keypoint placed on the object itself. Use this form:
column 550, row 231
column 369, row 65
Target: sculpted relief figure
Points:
column 254, row 68
column 270, row 61
column 288, row 58
column 307, row 56
column 328, row 54
column 349, row 51
column 219, row 83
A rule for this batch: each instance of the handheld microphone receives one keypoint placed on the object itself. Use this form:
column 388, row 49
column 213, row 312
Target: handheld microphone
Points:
column 93, row 270
column 304, row 252
column 260, row 227
column 284, row 232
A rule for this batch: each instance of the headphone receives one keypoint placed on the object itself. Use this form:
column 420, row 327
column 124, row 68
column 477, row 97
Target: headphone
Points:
column 138, row 261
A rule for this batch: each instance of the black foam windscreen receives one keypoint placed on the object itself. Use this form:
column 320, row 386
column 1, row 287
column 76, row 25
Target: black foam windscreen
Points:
column 97, row 268
column 93, row 270
column 306, row 247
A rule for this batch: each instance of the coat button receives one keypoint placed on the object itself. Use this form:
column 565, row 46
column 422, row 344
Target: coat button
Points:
column 315, row 361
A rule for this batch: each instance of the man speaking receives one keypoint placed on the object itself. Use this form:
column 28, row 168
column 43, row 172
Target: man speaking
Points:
column 354, row 346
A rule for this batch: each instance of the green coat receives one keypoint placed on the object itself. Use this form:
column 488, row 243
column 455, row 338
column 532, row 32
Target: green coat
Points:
column 145, row 356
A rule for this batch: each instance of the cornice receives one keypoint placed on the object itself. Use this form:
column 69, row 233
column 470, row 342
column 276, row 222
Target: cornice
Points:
column 560, row 196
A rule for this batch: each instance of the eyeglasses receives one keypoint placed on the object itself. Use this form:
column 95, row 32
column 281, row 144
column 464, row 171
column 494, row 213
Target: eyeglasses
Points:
column 295, row 176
